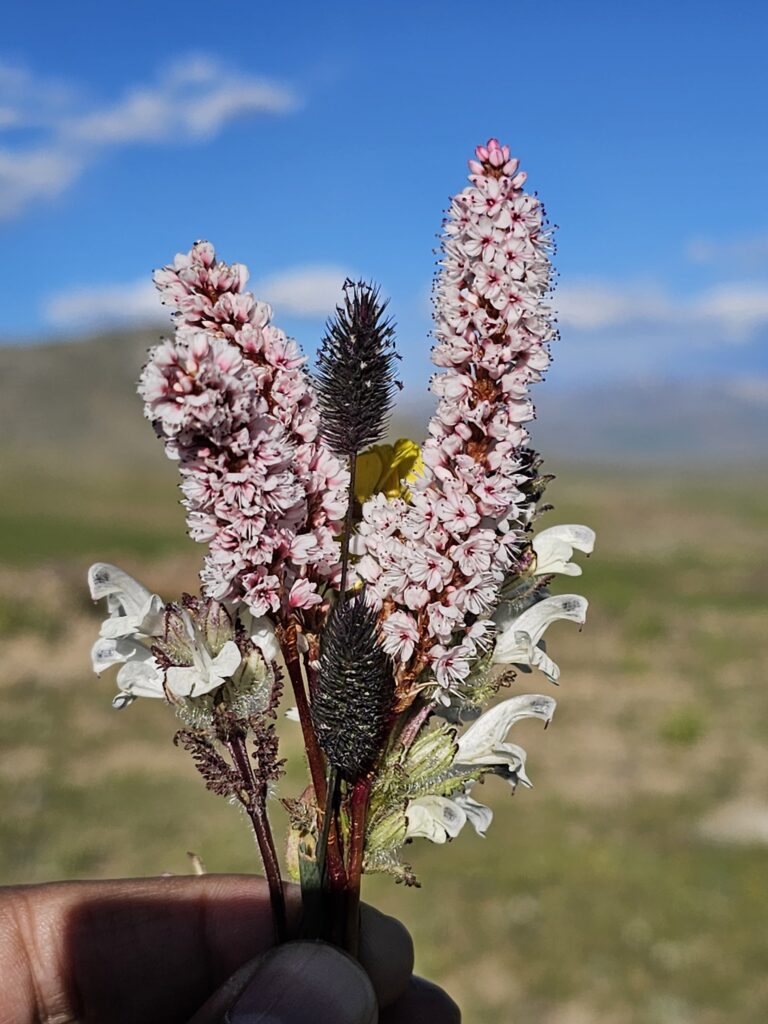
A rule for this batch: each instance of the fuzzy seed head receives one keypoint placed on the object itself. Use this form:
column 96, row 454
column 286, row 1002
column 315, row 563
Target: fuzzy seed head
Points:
column 355, row 690
column 355, row 379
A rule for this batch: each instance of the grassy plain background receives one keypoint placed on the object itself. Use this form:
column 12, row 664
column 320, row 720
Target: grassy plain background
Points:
column 629, row 887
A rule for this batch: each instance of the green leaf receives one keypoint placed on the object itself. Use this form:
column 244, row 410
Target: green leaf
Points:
column 426, row 769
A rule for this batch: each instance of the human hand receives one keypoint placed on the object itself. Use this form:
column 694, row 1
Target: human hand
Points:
column 179, row 951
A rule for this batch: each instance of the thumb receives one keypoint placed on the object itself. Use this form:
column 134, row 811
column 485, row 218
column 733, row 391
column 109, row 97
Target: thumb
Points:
column 292, row 984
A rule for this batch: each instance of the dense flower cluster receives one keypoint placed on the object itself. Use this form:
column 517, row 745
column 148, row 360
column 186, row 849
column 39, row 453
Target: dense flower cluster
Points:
column 230, row 398
column 435, row 564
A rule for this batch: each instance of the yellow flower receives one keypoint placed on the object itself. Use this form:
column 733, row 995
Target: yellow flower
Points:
column 388, row 469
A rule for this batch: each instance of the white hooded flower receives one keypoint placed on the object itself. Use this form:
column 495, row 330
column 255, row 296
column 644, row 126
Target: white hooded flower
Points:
column 484, row 742
column 133, row 610
column 140, row 676
column 518, row 638
column 135, row 620
column 554, row 548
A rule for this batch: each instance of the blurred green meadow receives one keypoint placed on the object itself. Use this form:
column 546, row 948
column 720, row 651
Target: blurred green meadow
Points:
column 629, row 887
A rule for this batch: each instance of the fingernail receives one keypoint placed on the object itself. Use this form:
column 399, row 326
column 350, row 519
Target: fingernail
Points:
column 306, row 981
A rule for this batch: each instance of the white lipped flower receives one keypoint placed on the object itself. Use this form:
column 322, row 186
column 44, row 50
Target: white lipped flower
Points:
column 136, row 623
column 206, row 673
column 126, row 636
column 554, row 548
column 440, row 818
column 518, row 637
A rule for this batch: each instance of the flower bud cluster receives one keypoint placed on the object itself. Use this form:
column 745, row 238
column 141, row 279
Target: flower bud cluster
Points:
column 435, row 564
column 230, row 397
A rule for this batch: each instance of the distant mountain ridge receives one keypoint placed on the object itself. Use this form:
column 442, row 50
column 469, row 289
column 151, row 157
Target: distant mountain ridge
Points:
column 657, row 422
column 78, row 397
column 77, row 400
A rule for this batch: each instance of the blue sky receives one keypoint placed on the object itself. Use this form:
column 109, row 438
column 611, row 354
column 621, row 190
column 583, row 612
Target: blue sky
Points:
column 310, row 140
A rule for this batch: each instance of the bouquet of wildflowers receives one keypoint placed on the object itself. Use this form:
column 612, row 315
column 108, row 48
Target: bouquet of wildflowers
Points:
column 397, row 588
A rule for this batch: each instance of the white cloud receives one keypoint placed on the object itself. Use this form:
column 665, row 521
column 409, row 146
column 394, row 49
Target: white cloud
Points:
column 615, row 331
column 743, row 252
column 752, row 389
column 592, row 305
column 738, row 310
column 724, row 313
column 309, row 292
column 191, row 101
column 29, row 101
column 103, row 305
column 26, row 177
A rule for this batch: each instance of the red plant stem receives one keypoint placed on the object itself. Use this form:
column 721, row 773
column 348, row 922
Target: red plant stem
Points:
column 258, row 816
column 254, row 799
column 361, row 794
column 336, row 873
column 314, row 756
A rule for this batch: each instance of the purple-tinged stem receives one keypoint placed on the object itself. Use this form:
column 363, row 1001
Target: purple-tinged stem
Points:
column 254, row 799
column 414, row 724
column 314, row 754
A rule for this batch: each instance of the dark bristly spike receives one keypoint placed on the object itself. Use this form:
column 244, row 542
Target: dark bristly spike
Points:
column 355, row 377
column 355, row 690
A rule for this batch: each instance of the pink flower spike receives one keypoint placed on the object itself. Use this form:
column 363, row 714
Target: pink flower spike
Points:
column 231, row 399
column 443, row 557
